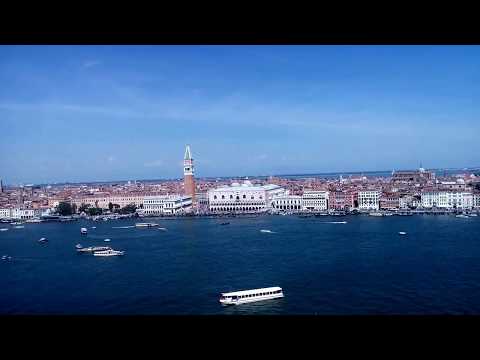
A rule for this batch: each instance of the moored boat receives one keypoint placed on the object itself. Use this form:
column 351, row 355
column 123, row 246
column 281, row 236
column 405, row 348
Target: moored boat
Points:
column 83, row 230
column 247, row 296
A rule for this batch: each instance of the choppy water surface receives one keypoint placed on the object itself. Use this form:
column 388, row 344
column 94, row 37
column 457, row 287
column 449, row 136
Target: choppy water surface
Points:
column 361, row 267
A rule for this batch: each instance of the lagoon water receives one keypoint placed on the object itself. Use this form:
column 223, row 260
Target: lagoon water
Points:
column 361, row 267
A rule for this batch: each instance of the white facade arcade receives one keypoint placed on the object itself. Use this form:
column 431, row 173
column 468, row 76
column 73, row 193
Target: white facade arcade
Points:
column 243, row 197
column 315, row 200
column 287, row 202
column 166, row 204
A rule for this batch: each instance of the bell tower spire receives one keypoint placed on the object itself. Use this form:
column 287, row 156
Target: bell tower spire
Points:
column 188, row 173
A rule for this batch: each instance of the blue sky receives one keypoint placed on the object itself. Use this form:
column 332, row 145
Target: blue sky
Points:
column 86, row 113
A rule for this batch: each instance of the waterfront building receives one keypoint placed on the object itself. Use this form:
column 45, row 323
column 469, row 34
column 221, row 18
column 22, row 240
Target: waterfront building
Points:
column 188, row 173
column 166, row 204
column 405, row 202
column 5, row 213
column 476, row 200
column 24, row 214
column 447, row 200
column 287, row 202
column 102, row 201
column 340, row 200
column 315, row 200
column 389, row 201
column 368, row 200
column 244, row 197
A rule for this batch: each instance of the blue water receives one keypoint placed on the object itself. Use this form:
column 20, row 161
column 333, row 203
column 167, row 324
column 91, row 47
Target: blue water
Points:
column 362, row 267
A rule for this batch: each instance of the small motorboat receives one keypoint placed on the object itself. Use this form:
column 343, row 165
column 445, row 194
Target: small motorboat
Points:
column 473, row 215
column 83, row 231
column 3, row 229
column 402, row 233
column 107, row 240
column 141, row 225
column 78, row 246
column 42, row 240
column 94, row 227
column 462, row 216
column 267, row 231
column 19, row 227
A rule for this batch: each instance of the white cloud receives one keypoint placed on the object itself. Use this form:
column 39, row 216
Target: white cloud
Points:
column 91, row 63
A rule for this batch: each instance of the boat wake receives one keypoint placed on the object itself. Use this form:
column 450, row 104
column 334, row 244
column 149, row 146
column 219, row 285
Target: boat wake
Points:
column 123, row 227
column 334, row 222
column 268, row 231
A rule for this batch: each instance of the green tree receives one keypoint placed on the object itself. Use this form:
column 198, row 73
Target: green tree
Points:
column 129, row 209
column 83, row 208
column 110, row 206
column 94, row 211
column 64, row 208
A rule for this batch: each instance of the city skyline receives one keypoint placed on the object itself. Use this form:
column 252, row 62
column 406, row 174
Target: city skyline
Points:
column 88, row 113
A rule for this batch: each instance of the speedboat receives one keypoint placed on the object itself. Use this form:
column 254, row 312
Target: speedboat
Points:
column 266, row 231
column 146, row 224
column 42, row 240
column 3, row 229
column 83, row 230
column 78, row 246
column 94, row 227
column 462, row 216
column 402, row 233
column 107, row 240
column 19, row 227
column 109, row 252
column 247, row 296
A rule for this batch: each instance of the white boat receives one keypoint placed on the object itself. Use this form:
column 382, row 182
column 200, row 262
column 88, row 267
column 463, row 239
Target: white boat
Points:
column 107, row 240
column 94, row 227
column 267, row 231
column 42, row 240
column 83, row 230
column 78, row 246
column 146, row 224
column 33, row 221
column 473, row 215
column 247, row 296
column 16, row 223
column 3, row 229
column 109, row 252
column 6, row 257
column 402, row 233
column 19, row 227
column 462, row 216
column 94, row 248
column 375, row 214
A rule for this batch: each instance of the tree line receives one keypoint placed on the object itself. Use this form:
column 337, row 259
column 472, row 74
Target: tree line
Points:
column 64, row 208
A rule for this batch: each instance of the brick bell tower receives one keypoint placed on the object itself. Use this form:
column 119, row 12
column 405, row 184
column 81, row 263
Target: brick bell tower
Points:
column 189, row 182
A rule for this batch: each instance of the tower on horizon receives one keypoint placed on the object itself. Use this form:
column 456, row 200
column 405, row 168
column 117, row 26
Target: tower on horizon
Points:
column 189, row 181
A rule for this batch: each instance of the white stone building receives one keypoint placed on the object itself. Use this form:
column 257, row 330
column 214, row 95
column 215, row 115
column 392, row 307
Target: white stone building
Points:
column 244, row 197
column 315, row 200
column 5, row 213
column 166, row 204
column 368, row 200
column 287, row 202
column 447, row 200
column 103, row 201
column 476, row 200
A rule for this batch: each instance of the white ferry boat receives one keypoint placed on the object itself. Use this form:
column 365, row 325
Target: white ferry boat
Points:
column 462, row 216
column 146, row 224
column 247, row 296
column 375, row 214
column 110, row 252
column 94, row 248
column 83, row 230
